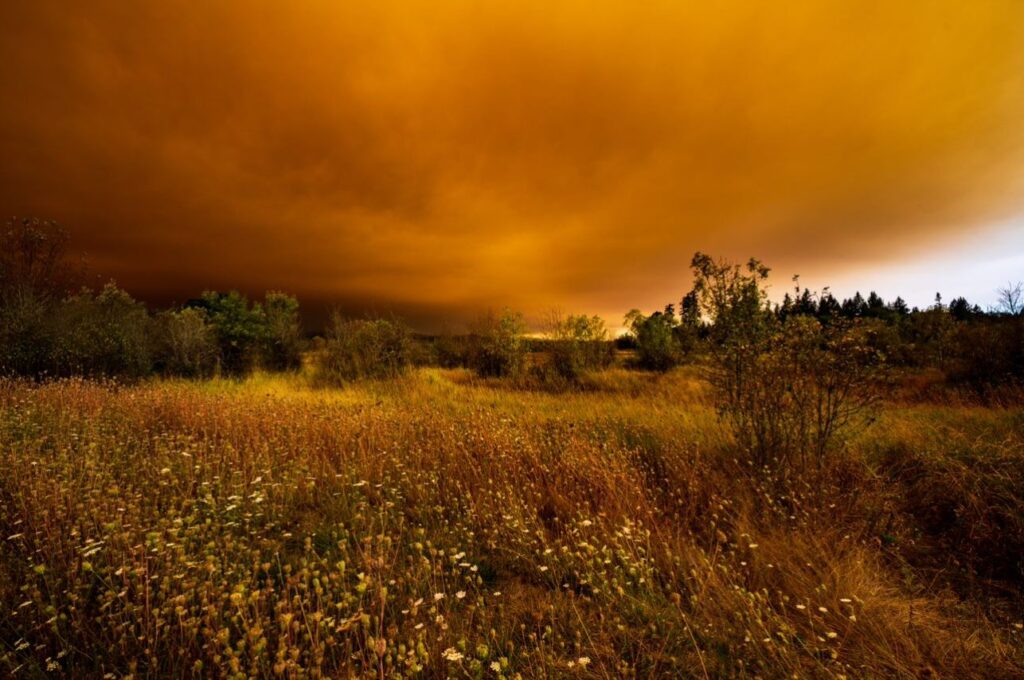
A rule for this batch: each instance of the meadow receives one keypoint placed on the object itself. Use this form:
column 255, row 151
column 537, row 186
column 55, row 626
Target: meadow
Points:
column 444, row 525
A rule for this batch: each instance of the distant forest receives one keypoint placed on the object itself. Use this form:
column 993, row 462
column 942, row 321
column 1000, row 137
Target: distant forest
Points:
column 51, row 326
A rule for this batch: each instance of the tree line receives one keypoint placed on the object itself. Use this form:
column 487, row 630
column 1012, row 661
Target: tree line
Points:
column 971, row 346
column 51, row 326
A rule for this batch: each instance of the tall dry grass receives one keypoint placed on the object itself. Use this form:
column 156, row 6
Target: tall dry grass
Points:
column 441, row 526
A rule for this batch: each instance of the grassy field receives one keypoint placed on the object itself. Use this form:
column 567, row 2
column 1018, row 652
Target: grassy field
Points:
column 443, row 526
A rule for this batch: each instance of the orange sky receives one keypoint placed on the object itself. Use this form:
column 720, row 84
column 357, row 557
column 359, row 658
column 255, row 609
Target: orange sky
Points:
column 432, row 158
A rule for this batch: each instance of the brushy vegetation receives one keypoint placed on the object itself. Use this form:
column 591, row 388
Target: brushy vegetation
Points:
column 577, row 345
column 790, row 386
column 355, row 349
column 497, row 347
column 438, row 526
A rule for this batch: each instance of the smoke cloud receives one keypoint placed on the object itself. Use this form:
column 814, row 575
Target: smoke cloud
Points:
column 433, row 158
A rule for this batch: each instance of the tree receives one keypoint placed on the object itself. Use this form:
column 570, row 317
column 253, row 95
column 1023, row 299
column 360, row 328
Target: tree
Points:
column 657, row 344
column 283, row 332
column 1010, row 299
column 34, row 277
column 240, row 329
column 27, row 334
column 828, row 307
column 689, row 310
column 875, row 307
column 929, row 334
column 104, row 334
column 33, row 259
column 497, row 344
column 899, row 307
column 961, row 310
column 732, row 299
column 690, row 326
column 855, row 306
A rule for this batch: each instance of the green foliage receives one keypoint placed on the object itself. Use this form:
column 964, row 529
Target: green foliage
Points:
column 102, row 335
column 657, row 343
column 927, row 337
column 803, row 392
column 988, row 354
column 185, row 343
column 497, row 344
column 283, row 332
column 240, row 329
column 733, row 300
column 364, row 348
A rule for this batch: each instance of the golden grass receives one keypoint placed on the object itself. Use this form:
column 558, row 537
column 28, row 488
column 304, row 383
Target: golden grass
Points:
column 444, row 526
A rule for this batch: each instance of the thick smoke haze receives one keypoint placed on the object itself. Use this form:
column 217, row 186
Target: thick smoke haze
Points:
column 434, row 158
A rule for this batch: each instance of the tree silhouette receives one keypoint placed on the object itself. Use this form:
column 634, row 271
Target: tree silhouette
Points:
column 1010, row 299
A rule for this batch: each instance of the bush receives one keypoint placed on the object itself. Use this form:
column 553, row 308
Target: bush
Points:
column 793, row 400
column 185, row 344
column 34, row 277
column 788, row 389
column 26, row 334
column 355, row 349
column 451, row 351
column 283, row 332
column 497, row 345
column 102, row 335
column 239, row 328
column 655, row 338
column 578, row 343
column 44, row 333
column 422, row 351
column 988, row 354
